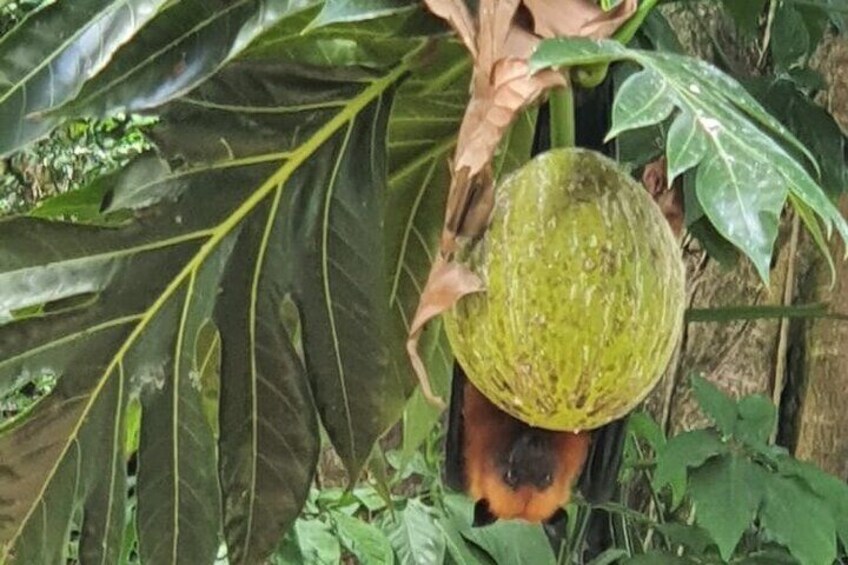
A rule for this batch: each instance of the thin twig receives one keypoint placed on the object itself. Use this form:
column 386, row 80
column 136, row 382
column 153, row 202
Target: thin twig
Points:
column 783, row 340
column 767, row 33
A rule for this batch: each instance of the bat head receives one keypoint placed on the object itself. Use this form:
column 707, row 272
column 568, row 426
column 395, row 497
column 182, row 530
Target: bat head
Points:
column 531, row 460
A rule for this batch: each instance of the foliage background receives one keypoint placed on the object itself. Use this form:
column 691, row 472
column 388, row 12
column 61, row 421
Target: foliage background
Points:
column 419, row 522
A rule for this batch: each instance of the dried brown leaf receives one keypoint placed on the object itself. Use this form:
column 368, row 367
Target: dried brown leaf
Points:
column 470, row 199
column 580, row 18
column 447, row 283
column 513, row 89
column 469, row 207
column 520, row 43
column 455, row 12
column 495, row 21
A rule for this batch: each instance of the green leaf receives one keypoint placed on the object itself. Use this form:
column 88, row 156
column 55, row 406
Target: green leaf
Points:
column 689, row 449
column 693, row 538
column 813, row 228
column 746, row 14
column 506, row 541
column 45, row 60
column 133, row 426
column 422, row 134
column 145, row 181
column 661, row 33
column 832, row 491
column 797, row 518
column 715, row 404
column 749, row 216
column 182, row 46
column 790, row 40
column 269, row 445
column 459, row 550
column 371, row 43
column 177, row 476
column 745, row 174
column 716, row 245
column 207, row 363
column 419, row 415
column 727, row 492
column 354, row 354
column 130, row 540
column 318, row 545
column 645, row 427
column 756, row 419
column 812, row 124
column 609, row 556
column 643, row 99
column 335, row 11
column 657, row 558
column 414, row 535
column 834, row 10
column 288, row 552
column 363, row 540
column 81, row 205
column 769, row 556
column 513, row 542
column 687, row 145
column 369, row 498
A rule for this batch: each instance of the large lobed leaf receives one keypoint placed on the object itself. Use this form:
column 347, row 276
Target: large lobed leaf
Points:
column 744, row 170
column 270, row 237
column 335, row 11
column 76, row 58
column 422, row 135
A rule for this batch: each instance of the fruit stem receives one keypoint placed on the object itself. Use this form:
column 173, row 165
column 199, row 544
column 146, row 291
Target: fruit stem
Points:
column 562, row 117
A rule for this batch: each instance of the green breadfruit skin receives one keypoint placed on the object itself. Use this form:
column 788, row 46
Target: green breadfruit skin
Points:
column 585, row 294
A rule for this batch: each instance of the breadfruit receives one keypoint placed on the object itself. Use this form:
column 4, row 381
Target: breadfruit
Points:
column 584, row 298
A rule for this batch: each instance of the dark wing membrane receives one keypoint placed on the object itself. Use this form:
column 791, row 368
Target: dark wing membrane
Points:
column 454, row 470
column 599, row 480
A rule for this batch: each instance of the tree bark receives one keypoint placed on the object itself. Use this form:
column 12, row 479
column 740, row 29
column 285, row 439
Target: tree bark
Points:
column 802, row 366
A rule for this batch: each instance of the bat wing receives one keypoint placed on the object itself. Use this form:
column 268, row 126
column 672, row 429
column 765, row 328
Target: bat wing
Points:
column 454, row 474
column 599, row 479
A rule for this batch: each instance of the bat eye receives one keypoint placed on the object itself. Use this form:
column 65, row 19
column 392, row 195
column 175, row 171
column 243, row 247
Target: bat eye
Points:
column 549, row 478
column 509, row 477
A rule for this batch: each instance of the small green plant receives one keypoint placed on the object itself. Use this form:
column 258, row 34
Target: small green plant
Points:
column 717, row 495
column 407, row 518
column 725, row 494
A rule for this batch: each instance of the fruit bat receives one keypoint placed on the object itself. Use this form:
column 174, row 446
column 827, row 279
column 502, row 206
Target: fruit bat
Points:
column 509, row 468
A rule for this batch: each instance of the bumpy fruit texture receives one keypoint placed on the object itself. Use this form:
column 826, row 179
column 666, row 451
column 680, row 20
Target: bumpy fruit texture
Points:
column 585, row 294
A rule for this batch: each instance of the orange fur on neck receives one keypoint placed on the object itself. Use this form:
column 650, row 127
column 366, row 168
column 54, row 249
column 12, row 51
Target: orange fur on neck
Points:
column 487, row 428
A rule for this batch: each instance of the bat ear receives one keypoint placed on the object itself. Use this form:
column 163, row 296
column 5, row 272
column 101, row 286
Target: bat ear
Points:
column 558, row 518
column 483, row 514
